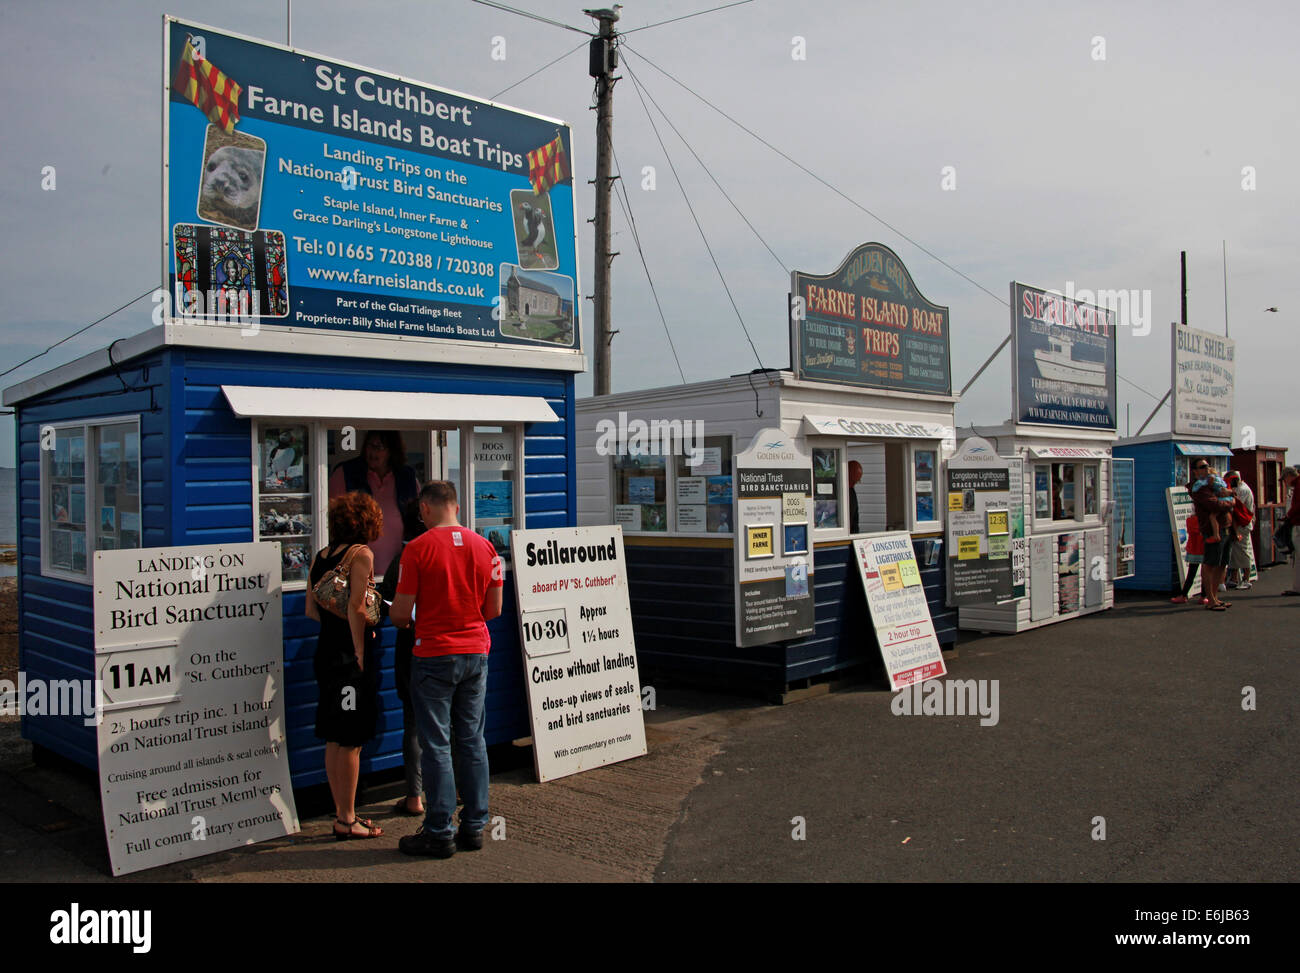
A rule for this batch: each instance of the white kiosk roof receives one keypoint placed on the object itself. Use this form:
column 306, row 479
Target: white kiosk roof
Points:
column 355, row 404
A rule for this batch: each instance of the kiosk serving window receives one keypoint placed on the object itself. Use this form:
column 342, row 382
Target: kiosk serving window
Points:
column 1065, row 491
column 90, row 493
column 687, row 492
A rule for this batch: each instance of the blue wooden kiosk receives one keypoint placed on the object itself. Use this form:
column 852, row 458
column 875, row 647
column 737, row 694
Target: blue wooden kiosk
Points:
column 1161, row 461
column 325, row 272
column 193, row 426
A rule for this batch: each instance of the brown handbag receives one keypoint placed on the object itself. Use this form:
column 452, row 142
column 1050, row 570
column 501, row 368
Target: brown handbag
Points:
column 333, row 590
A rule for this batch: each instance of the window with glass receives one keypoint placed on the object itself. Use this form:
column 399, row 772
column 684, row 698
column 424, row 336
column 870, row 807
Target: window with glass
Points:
column 1066, row 491
column 703, row 488
column 90, row 493
column 286, row 506
column 494, row 469
column 826, row 489
column 924, row 462
column 641, row 493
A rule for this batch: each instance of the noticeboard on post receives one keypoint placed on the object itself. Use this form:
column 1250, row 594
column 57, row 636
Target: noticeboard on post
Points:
column 189, row 652
column 774, row 518
column 306, row 193
column 579, row 654
column 980, row 529
column 866, row 324
column 900, row 614
column 1062, row 360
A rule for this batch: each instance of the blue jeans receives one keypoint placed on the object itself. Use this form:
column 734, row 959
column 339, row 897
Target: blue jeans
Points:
column 448, row 693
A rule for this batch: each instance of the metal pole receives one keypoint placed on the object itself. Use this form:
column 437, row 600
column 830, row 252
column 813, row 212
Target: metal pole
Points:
column 989, row 361
column 288, row 23
column 1153, row 412
column 1182, row 319
column 1225, row 288
column 602, row 60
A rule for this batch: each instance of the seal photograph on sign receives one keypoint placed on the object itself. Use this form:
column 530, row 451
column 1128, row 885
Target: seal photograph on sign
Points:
column 230, row 185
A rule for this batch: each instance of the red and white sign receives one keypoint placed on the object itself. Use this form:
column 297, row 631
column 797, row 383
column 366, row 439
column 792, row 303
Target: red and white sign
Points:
column 900, row 614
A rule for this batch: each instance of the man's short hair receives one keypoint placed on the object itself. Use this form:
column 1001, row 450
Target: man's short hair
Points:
column 438, row 493
column 1288, row 471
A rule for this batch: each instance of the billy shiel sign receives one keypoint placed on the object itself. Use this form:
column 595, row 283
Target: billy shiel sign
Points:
column 1062, row 359
column 189, row 649
column 899, row 612
column 1202, row 383
column 774, row 561
column 308, row 193
column 580, row 666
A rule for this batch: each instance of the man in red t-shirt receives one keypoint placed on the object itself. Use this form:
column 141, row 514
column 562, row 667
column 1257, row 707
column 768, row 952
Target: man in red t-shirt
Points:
column 450, row 586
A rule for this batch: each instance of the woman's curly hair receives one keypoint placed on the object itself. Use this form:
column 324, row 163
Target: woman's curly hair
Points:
column 355, row 518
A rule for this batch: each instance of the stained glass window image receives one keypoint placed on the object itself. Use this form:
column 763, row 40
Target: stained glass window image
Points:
column 220, row 272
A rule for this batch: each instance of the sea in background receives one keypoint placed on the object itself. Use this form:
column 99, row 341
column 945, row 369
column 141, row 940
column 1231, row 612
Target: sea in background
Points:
column 8, row 516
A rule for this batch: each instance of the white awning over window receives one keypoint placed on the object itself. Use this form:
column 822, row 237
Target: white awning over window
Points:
column 248, row 401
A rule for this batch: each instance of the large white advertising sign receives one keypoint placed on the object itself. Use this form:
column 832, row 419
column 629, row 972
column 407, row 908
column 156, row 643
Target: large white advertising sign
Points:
column 1202, row 383
column 189, row 649
column 580, row 666
column 899, row 612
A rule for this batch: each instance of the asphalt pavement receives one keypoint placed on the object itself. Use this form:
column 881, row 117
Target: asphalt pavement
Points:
column 1121, row 752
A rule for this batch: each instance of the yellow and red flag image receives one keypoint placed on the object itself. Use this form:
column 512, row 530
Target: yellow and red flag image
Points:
column 211, row 92
column 548, row 166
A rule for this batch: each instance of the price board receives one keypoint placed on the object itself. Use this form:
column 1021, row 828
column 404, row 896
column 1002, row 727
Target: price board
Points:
column 899, row 612
column 580, row 663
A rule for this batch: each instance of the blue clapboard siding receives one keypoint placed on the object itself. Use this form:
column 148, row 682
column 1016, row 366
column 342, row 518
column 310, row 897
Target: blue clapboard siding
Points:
column 197, row 468
column 55, row 627
column 215, row 495
column 683, row 612
column 1155, row 568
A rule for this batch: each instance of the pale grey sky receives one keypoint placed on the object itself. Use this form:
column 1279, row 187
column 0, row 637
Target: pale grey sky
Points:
column 1068, row 168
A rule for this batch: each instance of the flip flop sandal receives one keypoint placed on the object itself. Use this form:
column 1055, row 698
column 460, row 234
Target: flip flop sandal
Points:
column 401, row 808
column 1290, row 593
column 1216, row 608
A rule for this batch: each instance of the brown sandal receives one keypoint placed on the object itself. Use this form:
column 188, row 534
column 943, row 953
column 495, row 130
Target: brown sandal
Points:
column 349, row 835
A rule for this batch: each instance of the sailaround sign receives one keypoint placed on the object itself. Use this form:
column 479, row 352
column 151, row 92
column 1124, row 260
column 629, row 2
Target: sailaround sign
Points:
column 867, row 324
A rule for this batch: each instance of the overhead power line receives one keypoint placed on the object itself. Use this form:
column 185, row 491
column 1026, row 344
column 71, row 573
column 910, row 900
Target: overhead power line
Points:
column 529, row 77
column 706, row 169
column 75, row 333
column 531, row 16
column 849, row 199
column 698, row 13
column 680, row 185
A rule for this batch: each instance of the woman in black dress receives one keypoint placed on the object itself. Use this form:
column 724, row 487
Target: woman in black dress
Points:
column 348, row 710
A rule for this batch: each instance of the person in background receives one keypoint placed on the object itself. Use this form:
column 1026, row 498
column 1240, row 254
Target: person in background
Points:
column 1213, row 501
column 451, row 582
column 381, row 471
column 1282, row 535
column 1293, row 523
column 1243, row 514
column 855, row 474
column 1195, row 554
column 413, row 803
column 347, row 709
